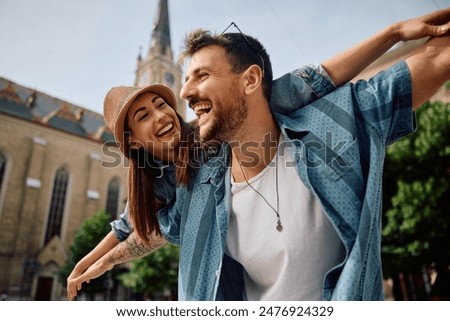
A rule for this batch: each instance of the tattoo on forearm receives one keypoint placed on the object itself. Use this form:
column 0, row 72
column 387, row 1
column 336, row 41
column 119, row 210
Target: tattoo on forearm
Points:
column 131, row 248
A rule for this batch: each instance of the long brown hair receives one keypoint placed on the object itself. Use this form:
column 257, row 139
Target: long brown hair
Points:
column 143, row 171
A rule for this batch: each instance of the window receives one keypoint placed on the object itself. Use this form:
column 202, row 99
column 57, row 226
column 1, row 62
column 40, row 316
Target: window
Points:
column 57, row 204
column 112, row 201
column 2, row 169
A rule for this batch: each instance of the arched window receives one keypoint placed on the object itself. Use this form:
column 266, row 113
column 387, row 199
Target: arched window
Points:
column 112, row 200
column 57, row 204
column 2, row 169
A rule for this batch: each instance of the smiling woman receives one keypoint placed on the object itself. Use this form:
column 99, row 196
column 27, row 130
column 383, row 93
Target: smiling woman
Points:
column 151, row 134
column 153, row 125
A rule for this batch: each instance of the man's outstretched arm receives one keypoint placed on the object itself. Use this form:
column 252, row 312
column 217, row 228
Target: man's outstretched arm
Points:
column 348, row 64
column 429, row 66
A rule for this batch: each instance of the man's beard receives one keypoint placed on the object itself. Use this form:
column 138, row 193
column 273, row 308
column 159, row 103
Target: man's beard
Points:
column 228, row 119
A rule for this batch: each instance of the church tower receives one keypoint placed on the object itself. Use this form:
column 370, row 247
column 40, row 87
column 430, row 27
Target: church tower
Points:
column 159, row 65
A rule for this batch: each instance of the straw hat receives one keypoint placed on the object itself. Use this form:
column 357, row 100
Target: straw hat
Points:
column 119, row 99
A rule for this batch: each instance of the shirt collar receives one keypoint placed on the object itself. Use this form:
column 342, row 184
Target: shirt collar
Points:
column 214, row 169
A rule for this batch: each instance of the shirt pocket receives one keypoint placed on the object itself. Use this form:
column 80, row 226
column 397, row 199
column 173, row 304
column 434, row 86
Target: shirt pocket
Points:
column 343, row 162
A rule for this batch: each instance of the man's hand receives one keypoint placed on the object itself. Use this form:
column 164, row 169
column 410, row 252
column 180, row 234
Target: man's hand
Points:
column 348, row 64
column 433, row 24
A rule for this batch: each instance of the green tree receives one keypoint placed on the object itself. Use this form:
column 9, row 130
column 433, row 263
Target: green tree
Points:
column 156, row 274
column 416, row 228
column 90, row 233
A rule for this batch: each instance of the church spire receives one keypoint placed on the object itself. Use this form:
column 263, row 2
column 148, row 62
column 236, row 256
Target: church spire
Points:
column 159, row 66
column 161, row 30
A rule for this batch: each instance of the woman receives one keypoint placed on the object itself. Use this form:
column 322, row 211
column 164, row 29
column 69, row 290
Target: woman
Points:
column 153, row 137
column 156, row 141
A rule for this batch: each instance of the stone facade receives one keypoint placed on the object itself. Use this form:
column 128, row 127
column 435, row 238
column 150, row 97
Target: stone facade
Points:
column 35, row 146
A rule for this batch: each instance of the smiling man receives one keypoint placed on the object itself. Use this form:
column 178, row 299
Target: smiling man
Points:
column 310, row 231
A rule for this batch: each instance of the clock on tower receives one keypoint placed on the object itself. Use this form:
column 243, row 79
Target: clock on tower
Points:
column 169, row 78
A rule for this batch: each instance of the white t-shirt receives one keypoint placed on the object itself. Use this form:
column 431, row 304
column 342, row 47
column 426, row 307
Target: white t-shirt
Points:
column 286, row 265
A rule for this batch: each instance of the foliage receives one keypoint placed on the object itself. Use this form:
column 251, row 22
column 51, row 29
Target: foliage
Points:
column 416, row 230
column 447, row 85
column 155, row 273
column 90, row 233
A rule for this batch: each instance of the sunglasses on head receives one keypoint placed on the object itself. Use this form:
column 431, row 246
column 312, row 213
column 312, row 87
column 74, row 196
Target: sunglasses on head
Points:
column 232, row 24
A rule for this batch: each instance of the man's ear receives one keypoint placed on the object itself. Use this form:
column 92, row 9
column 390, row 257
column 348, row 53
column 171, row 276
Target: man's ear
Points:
column 252, row 79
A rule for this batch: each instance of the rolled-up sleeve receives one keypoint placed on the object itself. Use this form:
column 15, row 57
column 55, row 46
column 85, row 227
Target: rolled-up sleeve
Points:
column 299, row 88
column 122, row 227
column 385, row 101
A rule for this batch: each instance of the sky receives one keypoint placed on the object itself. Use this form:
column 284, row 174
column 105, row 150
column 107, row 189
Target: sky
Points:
column 78, row 50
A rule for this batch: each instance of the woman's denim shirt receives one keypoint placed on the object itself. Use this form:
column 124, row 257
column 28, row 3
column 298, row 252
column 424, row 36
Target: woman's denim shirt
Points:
column 165, row 184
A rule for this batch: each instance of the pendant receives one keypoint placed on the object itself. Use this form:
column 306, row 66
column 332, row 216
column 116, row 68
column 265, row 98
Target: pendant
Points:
column 279, row 226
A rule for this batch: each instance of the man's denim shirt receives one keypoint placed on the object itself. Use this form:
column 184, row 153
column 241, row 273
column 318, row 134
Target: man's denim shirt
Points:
column 339, row 148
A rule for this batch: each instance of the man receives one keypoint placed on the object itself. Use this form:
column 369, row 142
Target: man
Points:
column 309, row 231
column 330, row 229
column 335, row 146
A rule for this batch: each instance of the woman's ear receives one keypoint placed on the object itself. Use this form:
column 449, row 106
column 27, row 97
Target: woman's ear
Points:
column 252, row 78
column 133, row 144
